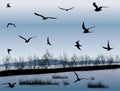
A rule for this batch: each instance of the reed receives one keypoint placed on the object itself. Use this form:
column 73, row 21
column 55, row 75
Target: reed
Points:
column 38, row 82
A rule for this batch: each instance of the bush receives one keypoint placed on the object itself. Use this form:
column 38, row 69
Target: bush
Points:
column 37, row 82
column 97, row 85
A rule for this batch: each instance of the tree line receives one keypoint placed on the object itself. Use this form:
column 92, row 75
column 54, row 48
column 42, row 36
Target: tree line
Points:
column 48, row 61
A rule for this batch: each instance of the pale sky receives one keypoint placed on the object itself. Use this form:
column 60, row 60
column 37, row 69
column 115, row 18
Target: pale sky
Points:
column 63, row 32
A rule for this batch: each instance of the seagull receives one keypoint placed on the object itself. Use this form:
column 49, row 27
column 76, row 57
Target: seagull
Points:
column 78, row 45
column 48, row 42
column 86, row 30
column 8, row 5
column 27, row 40
column 97, row 9
column 108, row 47
column 11, row 25
column 79, row 79
column 8, row 50
column 43, row 17
column 11, row 85
column 66, row 9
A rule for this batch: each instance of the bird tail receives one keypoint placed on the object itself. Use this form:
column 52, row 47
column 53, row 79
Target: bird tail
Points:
column 92, row 27
column 104, row 7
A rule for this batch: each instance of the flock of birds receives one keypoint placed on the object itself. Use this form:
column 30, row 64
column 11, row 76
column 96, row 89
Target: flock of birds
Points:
column 77, row 44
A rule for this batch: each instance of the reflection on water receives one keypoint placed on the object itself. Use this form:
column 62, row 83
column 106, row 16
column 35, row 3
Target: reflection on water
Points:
column 107, row 77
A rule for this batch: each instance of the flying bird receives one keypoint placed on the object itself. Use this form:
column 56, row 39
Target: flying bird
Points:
column 11, row 85
column 86, row 30
column 66, row 9
column 108, row 48
column 9, row 50
column 78, row 45
column 44, row 17
column 11, row 24
column 48, row 41
column 79, row 79
column 8, row 5
column 27, row 40
column 98, row 8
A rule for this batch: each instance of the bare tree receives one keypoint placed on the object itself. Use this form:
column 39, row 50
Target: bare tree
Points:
column 102, row 59
column 81, row 59
column 117, row 58
column 19, row 63
column 73, row 61
column 30, row 62
column 110, row 59
column 46, row 58
column 97, row 61
column 6, row 61
column 64, row 60
column 35, row 59
column 87, row 59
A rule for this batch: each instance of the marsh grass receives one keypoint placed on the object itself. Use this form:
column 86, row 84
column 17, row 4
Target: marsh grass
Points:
column 59, row 77
column 38, row 82
column 96, row 85
column 65, row 83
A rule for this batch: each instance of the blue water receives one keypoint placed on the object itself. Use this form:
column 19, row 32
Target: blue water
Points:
column 107, row 77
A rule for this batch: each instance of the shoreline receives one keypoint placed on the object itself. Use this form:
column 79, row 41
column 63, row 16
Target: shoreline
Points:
column 56, row 70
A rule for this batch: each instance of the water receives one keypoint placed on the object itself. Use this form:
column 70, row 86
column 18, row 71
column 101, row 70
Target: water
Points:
column 107, row 77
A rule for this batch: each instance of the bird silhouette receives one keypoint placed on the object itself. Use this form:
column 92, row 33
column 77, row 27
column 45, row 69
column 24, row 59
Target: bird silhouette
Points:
column 78, row 45
column 9, row 50
column 27, row 40
column 11, row 25
column 108, row 48
column 11, row 85
column 79, row 79
column 8, row 5
column 98, row 8
column 48, row 41
column 66, row 9
column 86, row 30
column 44, row 17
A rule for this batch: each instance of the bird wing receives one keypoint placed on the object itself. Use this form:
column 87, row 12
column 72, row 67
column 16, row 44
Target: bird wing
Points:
column 108, row 45
column 83, row 26
column 9, row 50
column 31, row 38
column 105, row 47
column 70, row 8
column 38, row 14
column 14, row 25
column 11, row 24
column 91, row 27
column 94, row 4
column 48, row 40
column 22, row 37
column 8, row 24
column 77, row 42
column 104, row 7
column 52, row 17
column 61, row 8
column 76, row 74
